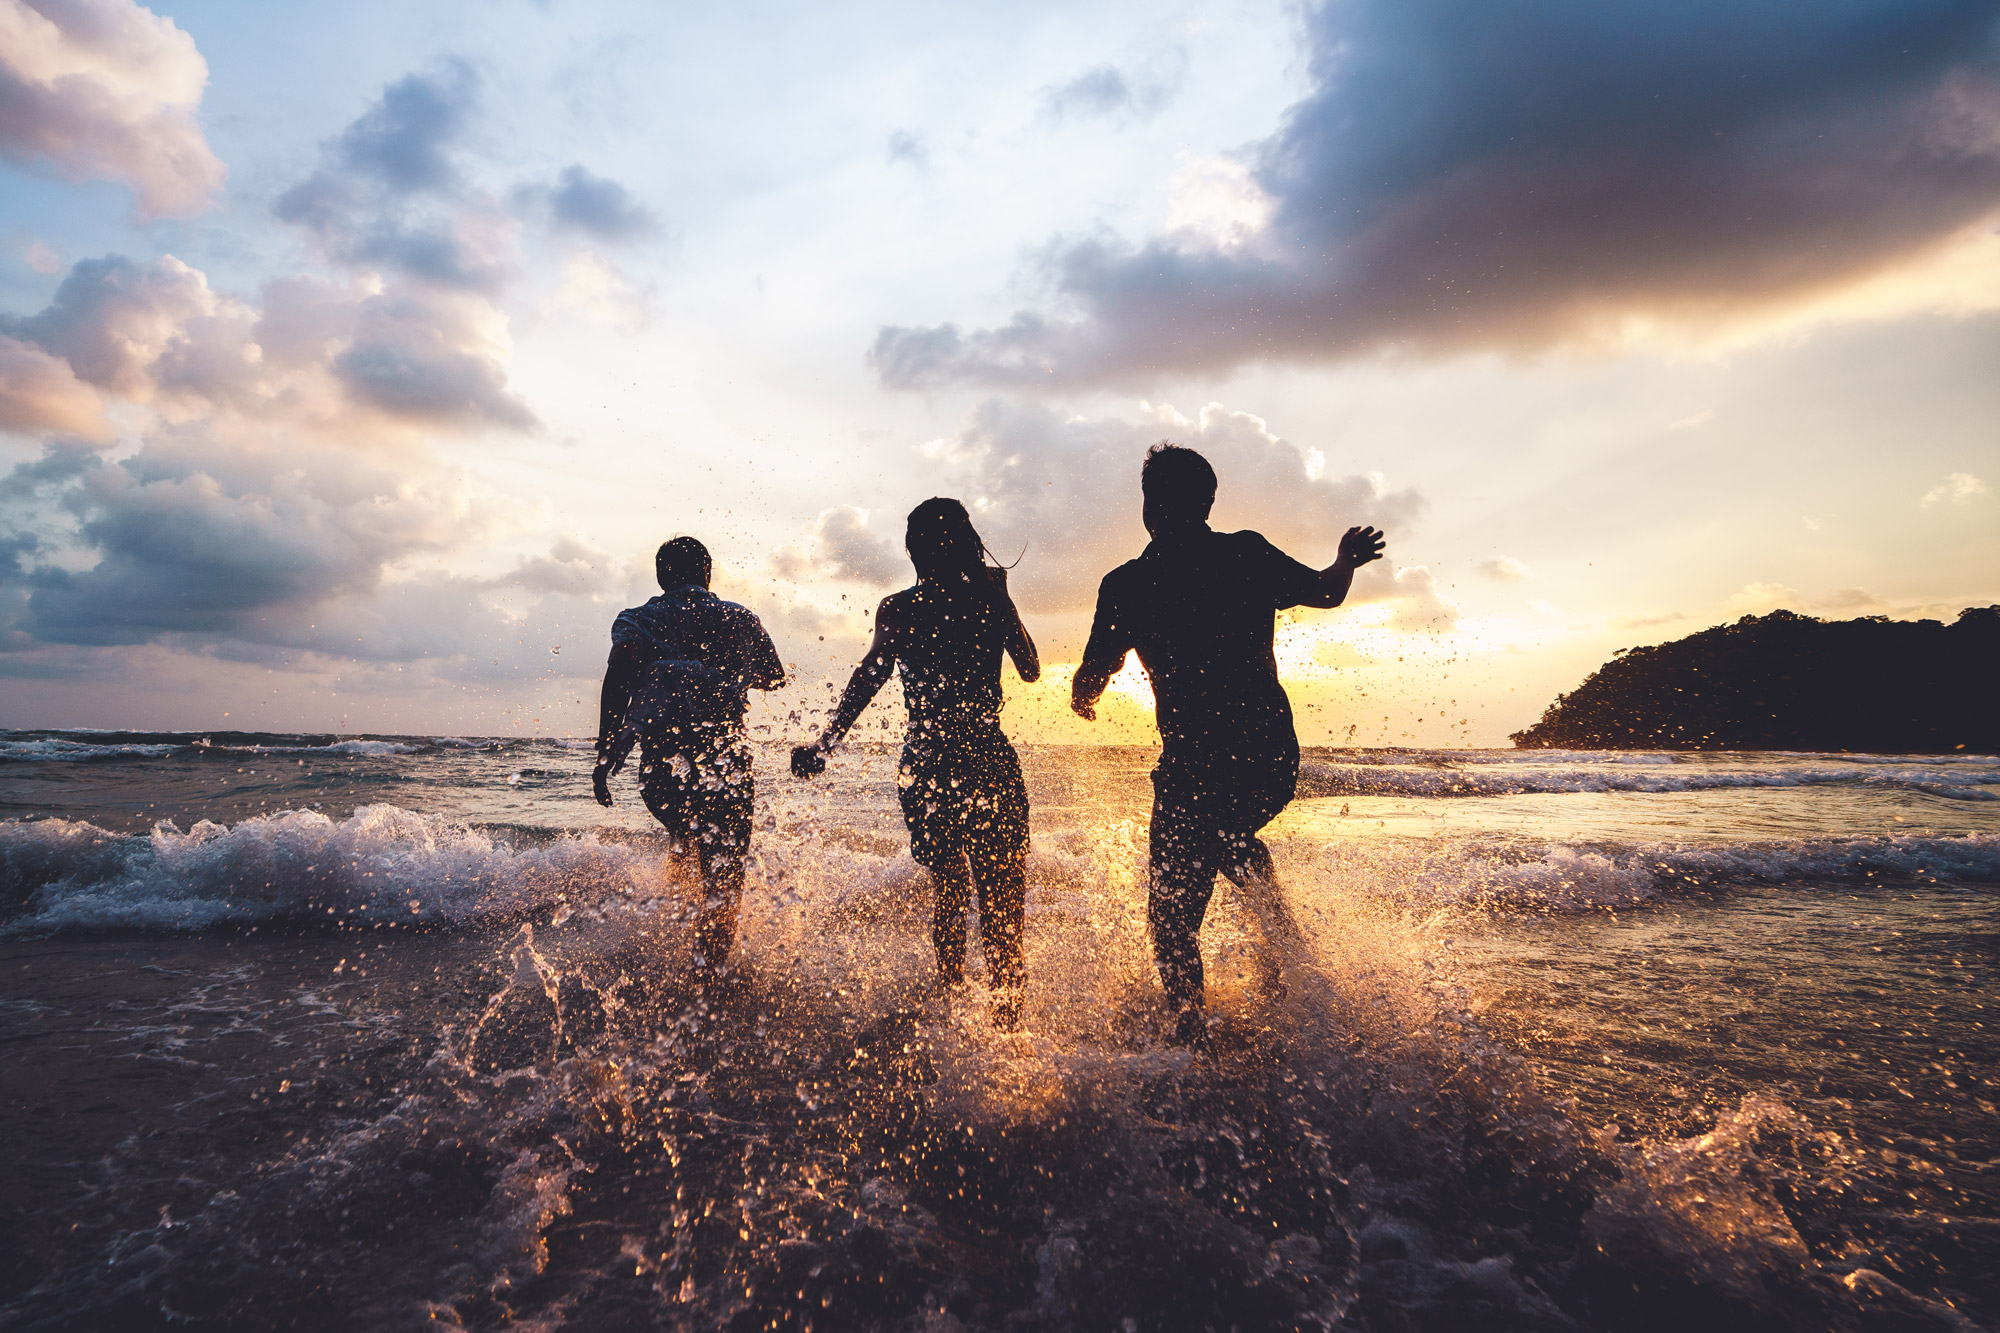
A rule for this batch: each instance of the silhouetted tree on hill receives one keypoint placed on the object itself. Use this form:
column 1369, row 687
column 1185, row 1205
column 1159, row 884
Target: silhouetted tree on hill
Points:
column 1792, row 682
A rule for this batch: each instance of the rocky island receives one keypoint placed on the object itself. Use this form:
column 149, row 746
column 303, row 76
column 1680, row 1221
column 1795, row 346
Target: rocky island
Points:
column 1790, row 682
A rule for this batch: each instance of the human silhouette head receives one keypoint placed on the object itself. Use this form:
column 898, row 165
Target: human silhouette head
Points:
column 1178, row 484
column 681, row 562
column 942, row 541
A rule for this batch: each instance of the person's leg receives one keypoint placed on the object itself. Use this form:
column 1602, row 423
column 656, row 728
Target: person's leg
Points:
column 950, row 877
column 933, row 811
column 722, row 898
column 1002, row 881
column 726, row 796
column 1182, row 865
column 1246, row 860
column 1244, row 801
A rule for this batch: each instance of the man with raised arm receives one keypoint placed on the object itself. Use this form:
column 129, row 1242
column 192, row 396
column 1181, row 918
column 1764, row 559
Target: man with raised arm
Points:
column 675, row 686
column 1199, row 607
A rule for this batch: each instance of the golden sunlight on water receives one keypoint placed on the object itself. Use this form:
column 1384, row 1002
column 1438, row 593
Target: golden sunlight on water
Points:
column 1526, row 1041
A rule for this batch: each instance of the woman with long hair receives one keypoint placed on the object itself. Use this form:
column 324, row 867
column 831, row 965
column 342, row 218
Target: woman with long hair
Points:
column 959, row 780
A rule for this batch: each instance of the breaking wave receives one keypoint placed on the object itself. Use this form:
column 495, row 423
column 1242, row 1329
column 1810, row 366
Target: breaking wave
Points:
column 1374, row 778
column 83, row 746
column 384, row 866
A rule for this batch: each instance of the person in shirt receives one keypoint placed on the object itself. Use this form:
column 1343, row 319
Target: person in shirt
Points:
column 676, row 685
column 1199, row 607
column 959, row 779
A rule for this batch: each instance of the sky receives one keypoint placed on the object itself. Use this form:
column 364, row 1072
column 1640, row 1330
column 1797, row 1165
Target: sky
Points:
column 355, row 359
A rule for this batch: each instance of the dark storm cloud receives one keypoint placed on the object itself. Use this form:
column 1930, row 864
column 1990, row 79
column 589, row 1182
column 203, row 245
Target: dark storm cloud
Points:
column 1469, row 175
column 599, row 206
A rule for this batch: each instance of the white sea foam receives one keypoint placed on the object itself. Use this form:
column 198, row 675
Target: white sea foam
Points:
column 388, row 865
column 1561, row 877
column 46, row 749
column 1644, row 758
column 381, row 864
column 356, row 747
column 1316, row 779
column 57, row 749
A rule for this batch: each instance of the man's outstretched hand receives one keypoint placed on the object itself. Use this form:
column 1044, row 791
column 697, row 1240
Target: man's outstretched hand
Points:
column 600, row 782
column 808, row 761
column 1360, row 546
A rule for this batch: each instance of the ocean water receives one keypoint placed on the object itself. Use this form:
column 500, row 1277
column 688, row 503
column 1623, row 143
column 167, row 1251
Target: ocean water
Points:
column 381, row 1032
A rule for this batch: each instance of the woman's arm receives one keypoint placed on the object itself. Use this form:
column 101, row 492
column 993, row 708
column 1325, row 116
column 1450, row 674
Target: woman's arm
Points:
column 868, row 677
column 1020, row 646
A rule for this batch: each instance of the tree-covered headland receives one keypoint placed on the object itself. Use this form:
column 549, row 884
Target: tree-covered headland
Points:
column 1790, row 682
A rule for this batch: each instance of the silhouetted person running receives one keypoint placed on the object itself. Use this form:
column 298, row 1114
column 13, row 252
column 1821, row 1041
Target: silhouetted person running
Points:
column 1199, row 607
column 675, row 685
column 961, row 789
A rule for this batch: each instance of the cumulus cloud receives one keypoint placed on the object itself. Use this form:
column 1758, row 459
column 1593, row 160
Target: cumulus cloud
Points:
column 39, row 392
column 599, row 206
column 112, row 319
column 307, row 354
column 106, row 90
column 572, row 566
column 283, row 505
column 1411, row 591
column 1464, row 175
column 1214, row 203
column 192, row 537
column 282, row 557
column 432, row 358
column 842, row 547
column 1067, row 489
column 1960, row 488
column 404, row 139
column 392, row 194
column 1505, row 569
column 412, row 336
